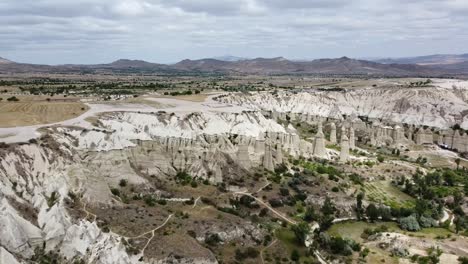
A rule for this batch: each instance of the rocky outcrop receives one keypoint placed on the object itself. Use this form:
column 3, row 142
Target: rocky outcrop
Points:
column 441, row 108
column 424, row 136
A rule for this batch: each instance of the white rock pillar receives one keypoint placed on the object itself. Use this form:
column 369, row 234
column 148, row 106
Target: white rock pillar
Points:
column 352, row 139
column 344, row 153
column 279, row 154
column 319, row 147
column 268, row 159
column 243, row 156
column 260, row 144
column 333, row 133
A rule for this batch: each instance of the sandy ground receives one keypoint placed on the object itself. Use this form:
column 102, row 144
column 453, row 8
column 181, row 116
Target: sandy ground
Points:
column 24, row 133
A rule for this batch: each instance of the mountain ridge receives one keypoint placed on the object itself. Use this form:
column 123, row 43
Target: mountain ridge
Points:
column 277, row 65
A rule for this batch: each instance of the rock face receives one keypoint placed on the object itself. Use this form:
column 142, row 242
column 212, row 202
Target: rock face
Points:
column 424, row 136
column 130, row 146
column 6, row 257
column 442, row 107
column 398, row 135
column 319, row 147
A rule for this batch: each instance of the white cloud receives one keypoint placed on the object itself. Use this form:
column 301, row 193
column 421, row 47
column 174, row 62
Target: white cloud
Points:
column 86, row 31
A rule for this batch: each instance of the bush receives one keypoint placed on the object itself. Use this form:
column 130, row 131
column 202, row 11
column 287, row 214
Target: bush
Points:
column 409, row 223
column 115, row 191
column 250, row 252
column 123, row 183
column 463, row 260
column 380, row 159
column 212, row 239
column 149, row 200
column 194, row 184
column 275, row 202
column 338, row 245
column 426, row 222
column 13, row 99
column 295, row 255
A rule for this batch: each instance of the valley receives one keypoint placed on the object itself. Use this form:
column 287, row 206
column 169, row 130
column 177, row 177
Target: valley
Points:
column 232, row 169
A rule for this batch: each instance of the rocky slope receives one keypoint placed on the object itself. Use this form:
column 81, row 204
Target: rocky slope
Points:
column 442, row 105
column 37, row 180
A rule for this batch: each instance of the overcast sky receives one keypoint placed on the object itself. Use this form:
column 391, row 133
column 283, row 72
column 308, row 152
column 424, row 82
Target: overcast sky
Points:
column 98, row 31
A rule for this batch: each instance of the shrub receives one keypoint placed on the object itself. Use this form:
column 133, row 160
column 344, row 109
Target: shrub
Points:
column 380, row 159
column 427, row 222
column 194, row 184
column 123, row 183
column 295, row 255
column 115, row 191
column 149, row 200
column 212, row 239
column 409, row 223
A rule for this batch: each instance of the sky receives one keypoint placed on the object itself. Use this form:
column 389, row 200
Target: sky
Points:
column 167, row 31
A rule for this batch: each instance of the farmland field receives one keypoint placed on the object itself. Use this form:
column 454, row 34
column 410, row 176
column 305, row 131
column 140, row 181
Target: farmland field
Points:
column 25, row 113
column 384, row 192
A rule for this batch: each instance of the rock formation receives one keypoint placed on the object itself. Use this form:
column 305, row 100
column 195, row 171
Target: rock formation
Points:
column 333, row 133
column 344, row 153
column 319, row 147
column 268, row 159
column 243, row 156
column 352, row 140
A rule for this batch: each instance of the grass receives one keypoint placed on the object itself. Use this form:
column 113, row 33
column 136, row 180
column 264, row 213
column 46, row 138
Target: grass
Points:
column 384, row 192
column 354, row 229
column 288, row 238
column 432, row 232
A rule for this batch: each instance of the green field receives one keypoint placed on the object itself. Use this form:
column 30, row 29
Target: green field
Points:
column 384, row 192
column 354, row 229
column 288, row 238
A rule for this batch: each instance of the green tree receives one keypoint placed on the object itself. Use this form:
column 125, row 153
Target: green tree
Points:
column 301, row 231
column 372, row 212
column 295, row 255
column 359, row 209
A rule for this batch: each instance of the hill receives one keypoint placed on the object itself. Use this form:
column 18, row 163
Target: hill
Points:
column 279, row 65
column 4, row 61
column 427, row 60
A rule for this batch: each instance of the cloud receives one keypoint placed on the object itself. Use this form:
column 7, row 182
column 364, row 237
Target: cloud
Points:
column 87, row 31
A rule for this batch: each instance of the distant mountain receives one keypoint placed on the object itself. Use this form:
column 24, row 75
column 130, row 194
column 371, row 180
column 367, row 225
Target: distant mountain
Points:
column 119, row 66
column 125, row 63
column 461, row 67
column 427, row 60
column 5, row 61
column 279, row 65
column 229, row 58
